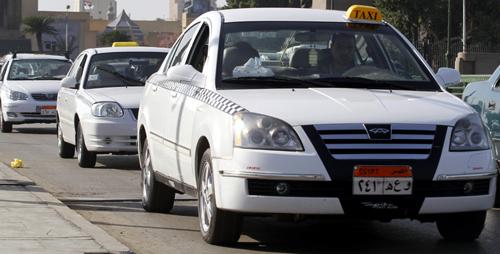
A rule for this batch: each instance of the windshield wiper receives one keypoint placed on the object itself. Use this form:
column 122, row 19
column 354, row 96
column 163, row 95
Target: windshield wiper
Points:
column 280, row 80
column 367, row 83
column 126, row 80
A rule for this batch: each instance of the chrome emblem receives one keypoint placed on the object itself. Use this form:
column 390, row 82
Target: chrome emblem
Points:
column 379, row 131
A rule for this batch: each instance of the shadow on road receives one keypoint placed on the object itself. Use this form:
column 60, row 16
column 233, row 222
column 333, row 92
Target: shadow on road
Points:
column 178, row 210
column 40, row 130
column 123, row 162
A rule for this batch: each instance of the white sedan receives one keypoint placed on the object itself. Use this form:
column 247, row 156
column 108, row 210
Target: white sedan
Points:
column 29, row 84
column 98, row 103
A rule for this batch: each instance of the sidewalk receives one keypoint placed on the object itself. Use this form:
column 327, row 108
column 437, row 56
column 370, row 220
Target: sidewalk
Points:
column 33, row 221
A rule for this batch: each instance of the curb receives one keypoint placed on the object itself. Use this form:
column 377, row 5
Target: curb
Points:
column 99, row 235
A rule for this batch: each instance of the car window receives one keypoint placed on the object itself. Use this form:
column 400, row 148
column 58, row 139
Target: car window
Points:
column 79, row 70
column 122, row 69
column 181, row 51
column 38, row 69
column 4, row 70
column 328, row 53
column 199, row 52
column 74, row 67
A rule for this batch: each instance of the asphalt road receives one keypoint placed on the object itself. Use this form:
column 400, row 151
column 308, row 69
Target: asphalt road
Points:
column 108, row 197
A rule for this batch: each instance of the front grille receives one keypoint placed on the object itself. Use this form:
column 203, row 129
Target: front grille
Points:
column 353, row 142
column 44, row 96
column 342, row 189
column 135, row 112
column 37, row 115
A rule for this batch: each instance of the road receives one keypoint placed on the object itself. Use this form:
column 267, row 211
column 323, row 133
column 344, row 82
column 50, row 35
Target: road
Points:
column 108, row 197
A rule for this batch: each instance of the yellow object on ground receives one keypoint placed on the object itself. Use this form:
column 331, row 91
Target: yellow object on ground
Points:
column 16, row 163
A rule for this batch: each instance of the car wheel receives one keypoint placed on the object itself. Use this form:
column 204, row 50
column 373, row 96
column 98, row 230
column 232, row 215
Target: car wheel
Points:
column 5, row 127
column 497, row 197
column 66, row 150
column 85, row 158
column 461, row 226
column 156, row 196
column 216, row 226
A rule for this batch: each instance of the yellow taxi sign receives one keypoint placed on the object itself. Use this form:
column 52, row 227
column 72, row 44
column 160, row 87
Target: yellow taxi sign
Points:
column 364, row 13
column 125, row 44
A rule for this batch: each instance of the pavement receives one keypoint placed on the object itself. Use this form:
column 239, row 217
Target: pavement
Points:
column 34, row 221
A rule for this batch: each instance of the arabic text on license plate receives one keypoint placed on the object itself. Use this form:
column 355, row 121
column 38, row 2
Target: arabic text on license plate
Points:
column 48, row 110
column 382, row 180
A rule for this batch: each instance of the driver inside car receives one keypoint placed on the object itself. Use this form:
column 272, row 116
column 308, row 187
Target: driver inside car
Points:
column 339, row 58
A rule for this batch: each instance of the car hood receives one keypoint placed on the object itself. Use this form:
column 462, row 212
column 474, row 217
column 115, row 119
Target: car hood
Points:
column 34, row 86
column 127, row 97
column 346, row 105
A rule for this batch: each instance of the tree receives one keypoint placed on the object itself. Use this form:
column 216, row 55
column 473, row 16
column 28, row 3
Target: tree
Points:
column 266, row 3
column 39, row 25
column 423, row 20
column 108, row 38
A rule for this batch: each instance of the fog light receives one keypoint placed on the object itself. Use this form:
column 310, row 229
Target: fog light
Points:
column 11, row 114
column 282, row 188
column 468, row 187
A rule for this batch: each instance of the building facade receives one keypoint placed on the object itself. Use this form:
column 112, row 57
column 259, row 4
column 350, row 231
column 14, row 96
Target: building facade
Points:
column 98, row 9
column 12, row 12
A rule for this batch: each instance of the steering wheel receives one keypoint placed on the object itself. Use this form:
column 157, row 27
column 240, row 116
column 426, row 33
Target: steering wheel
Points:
column 366, row 71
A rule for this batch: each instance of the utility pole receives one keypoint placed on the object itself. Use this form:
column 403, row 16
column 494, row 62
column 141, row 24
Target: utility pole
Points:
column 464, row 28
column 448, row 37
column 66, row 19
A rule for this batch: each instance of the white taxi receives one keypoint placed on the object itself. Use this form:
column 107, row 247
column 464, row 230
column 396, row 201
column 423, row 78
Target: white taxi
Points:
column 29, row 84
column 99, row 99
column 301, row 111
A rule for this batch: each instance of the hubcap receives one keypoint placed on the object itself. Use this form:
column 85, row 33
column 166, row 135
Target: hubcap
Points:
column 206, row 197
column 146, row 175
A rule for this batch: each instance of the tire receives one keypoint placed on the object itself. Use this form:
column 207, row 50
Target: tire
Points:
column 156, row 196
column 66, row 150
column 497, row 198
column 461, row 226
column 5, row 127
column 217, row 226
column 85, row 158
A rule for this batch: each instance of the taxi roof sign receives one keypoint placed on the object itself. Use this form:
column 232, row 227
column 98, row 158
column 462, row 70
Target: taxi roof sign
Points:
column 125, row 44
column 364, row 14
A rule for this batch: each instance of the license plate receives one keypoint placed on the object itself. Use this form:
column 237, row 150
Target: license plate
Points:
column 382, row 180
column 48, row 110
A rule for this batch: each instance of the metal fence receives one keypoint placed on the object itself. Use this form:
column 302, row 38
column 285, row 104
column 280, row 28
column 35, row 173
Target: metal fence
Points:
column 435, row 51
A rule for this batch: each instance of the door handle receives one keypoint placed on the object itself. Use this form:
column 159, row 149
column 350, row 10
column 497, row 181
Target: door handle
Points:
column 492, row 105
column 173, row 94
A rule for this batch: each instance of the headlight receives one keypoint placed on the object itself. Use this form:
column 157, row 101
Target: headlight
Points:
column 469, row 134
column 17, row 96
column 263, row 132
column 107, row 109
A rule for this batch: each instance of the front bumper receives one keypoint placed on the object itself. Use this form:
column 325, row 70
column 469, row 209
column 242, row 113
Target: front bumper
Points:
column 247, row 183
column 28, row 111
column 110, row 135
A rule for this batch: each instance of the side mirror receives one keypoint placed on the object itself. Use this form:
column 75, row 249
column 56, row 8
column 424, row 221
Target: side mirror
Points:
column 185, row 73
column 448, row 76
column 69, row 82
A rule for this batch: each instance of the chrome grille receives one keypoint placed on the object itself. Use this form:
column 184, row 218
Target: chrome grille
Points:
column 44, row 96
column 352, row 142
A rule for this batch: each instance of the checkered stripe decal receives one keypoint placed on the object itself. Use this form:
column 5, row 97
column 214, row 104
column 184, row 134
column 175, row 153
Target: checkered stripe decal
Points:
column 209, row 97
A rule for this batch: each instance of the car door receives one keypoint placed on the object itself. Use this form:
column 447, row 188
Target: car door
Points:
column 161, row 94
column 66, row 105
column 183, row 108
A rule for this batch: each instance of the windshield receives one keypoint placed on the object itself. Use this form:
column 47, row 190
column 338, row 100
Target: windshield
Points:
column 310, row 54
column 122, row 69
column 38, row 69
